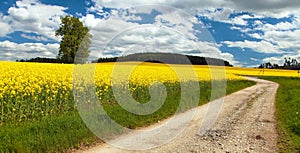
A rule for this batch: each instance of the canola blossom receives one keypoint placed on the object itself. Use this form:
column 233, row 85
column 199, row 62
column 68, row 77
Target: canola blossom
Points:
column 34, row 90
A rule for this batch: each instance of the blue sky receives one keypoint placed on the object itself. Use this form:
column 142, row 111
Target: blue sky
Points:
column 244, row 33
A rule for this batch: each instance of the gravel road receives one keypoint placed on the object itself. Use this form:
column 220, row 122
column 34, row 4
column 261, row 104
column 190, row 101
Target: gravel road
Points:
column 246, row 123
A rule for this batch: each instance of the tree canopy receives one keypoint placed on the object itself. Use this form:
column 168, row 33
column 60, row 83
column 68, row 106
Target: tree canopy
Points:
column 75, row 41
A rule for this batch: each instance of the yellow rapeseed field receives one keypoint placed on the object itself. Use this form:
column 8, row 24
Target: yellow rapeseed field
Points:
column 262, row 72
column 29, row 90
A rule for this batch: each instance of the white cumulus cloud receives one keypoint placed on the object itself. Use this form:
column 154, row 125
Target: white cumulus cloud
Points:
column 12, row 51
column 257, row 46
column 31, row 16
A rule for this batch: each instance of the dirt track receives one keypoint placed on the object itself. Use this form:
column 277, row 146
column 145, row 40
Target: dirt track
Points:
column 245, row 124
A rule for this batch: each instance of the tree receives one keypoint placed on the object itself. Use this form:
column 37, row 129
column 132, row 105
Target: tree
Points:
column 75, row 42
column 290, row 62
column 269, row 65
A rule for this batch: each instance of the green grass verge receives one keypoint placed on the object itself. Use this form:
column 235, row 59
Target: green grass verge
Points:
column 288, row 113
column 170, row 106
column 59, row 133
column 50, row 134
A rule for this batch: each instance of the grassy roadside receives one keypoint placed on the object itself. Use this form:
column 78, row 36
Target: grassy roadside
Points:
column 62, row 132
column 50, row 134
column 170, row 106
column 288, row 113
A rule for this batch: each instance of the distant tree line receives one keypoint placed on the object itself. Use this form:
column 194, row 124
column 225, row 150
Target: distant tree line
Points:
column 169, row 58
column 289, row 63
column 41, row 60
column 269, row 65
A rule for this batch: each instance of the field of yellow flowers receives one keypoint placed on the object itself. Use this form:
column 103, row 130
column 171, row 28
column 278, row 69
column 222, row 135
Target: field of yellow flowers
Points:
column 33, row 90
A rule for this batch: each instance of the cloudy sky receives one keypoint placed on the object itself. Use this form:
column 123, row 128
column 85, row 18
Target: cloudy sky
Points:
column 246, row 33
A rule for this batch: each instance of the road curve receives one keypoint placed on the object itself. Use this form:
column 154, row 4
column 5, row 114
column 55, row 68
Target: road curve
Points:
column 245, row 124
